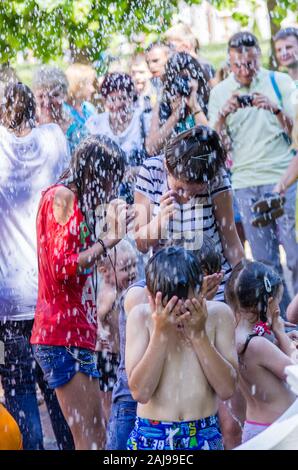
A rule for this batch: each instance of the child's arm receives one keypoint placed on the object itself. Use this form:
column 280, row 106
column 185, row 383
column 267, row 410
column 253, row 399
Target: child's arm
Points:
column 289, row 177
column 219, row 362
column 277, row 325
column 104, row 303
column 224, row 214
column 145, row 355
column 105, row 300
column 150, row 229
column 292, row 310
column 266, row 354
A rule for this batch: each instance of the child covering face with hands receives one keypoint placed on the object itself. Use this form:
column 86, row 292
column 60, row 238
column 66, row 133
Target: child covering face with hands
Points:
column 180, row 357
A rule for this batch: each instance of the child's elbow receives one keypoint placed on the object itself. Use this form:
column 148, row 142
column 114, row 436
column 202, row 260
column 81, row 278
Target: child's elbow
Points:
column 140, row 398
column 226, row 394
column 139, row 395
column 229, row 388
column 292, row 313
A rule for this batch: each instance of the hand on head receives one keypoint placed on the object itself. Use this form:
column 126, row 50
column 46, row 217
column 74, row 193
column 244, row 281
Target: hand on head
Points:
column 273, row 315
column 119, row 219
column 168, row 205
column 190, row 314
column 211, row 284
column 195, row 317
column 166, row 314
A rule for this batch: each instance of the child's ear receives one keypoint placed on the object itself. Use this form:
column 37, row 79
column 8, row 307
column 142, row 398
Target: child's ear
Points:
column 151, row 299
column 102, row 269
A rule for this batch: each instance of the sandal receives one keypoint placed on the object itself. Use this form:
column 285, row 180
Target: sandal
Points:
column 269, row 201
column 262, row 220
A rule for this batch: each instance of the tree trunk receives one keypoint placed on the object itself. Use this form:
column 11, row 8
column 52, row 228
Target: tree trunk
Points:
column 274, row 28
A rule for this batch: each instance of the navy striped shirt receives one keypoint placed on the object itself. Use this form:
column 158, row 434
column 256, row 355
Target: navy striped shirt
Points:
column 194, row 219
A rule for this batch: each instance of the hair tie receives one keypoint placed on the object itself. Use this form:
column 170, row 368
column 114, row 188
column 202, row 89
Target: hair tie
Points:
column 267, row 284
column 212, row 156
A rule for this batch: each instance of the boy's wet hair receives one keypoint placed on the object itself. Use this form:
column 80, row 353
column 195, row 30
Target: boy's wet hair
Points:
column 209, row 257
column 196, row 155
column 173, row 271
column 256, row 283
column 18, row 106
column 124, row 246
column 116, row 81
column 97, row 166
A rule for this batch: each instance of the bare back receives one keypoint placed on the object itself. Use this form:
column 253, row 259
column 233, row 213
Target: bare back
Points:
column 262, row 381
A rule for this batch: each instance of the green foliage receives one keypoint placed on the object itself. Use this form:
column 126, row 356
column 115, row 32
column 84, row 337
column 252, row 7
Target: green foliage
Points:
column 87, row 25
column 47, row 27
column 242, row 18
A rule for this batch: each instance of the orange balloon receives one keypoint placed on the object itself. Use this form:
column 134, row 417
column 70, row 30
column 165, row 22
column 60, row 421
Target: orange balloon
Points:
column 10, row 435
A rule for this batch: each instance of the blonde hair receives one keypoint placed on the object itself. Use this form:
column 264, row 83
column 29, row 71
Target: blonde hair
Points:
column 124, row 246
column 183, row 31
column 77, row 74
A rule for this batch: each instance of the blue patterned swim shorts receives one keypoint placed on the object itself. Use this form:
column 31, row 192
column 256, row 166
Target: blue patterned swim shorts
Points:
column 203, row 434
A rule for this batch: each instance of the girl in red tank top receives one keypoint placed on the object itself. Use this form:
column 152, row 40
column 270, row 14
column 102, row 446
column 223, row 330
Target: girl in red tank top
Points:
column 64, row 331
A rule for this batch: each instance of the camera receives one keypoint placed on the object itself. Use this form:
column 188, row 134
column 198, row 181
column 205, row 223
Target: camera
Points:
column 182, row 85
column 245, row 100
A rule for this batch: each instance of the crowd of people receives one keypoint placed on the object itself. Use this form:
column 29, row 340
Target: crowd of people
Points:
column 126, row 294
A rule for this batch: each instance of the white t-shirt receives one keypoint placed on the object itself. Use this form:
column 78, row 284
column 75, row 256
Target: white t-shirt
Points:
column 131, row 139
column 27, row 166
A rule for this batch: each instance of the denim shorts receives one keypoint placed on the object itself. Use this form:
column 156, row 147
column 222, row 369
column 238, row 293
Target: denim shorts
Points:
column 60, row 363
column 121, row 423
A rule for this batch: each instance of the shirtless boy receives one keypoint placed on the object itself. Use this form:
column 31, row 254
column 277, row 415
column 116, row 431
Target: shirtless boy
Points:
column 180, row 358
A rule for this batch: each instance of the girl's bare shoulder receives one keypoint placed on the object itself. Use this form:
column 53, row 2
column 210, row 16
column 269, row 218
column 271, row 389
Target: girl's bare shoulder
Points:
column 219, row 311
column 63, row 204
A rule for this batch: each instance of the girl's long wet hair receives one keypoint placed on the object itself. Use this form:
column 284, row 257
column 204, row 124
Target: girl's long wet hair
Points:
column 173, row 271
column 256, row 283
column 230, row 293
column 96, row 168
column 18, row 107
column 195, row 155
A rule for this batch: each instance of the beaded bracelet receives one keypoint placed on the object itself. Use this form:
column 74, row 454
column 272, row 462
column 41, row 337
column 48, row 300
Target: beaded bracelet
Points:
column 105, row 252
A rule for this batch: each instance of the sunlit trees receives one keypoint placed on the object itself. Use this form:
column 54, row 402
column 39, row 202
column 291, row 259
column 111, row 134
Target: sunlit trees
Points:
column 49, row 27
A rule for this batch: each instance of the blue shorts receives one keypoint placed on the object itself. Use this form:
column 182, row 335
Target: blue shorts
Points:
column 237, row 216
column 203, row 434
column 60, row 363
